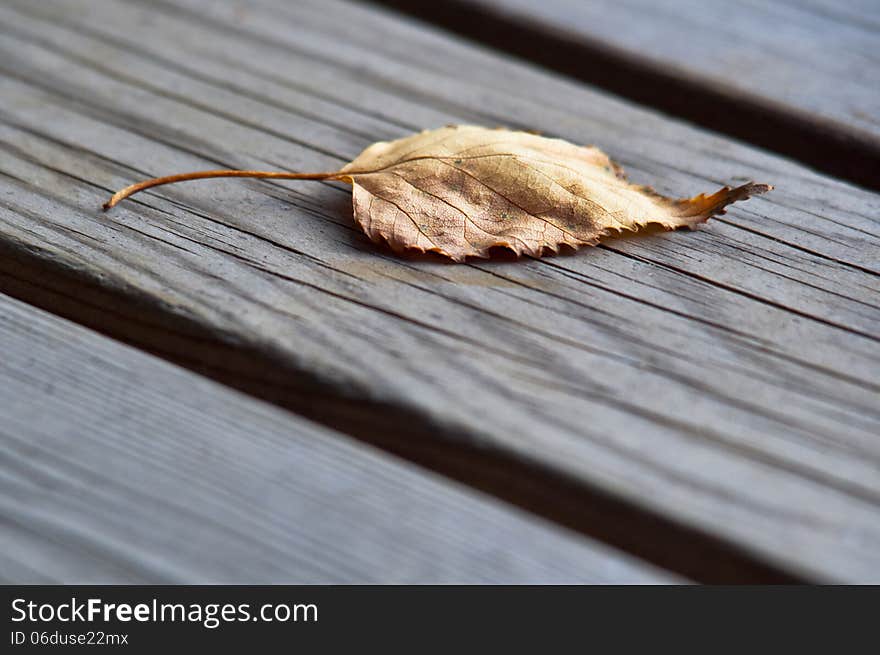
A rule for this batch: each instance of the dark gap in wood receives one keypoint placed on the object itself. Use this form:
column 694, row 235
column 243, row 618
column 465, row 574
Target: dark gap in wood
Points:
column 402, row 431
column 824, row 145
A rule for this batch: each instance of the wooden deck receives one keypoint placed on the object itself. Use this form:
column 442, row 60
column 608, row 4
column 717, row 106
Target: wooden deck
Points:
column 705, row 402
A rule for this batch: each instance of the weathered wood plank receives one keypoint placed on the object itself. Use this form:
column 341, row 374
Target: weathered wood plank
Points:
column 119, row 467
column 798, row 77
column 708, row 400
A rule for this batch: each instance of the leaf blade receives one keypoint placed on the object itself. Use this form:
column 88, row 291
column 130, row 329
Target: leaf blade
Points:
column 461, row 191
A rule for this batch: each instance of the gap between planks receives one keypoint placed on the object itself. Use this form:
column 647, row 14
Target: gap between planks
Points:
column 119, row 468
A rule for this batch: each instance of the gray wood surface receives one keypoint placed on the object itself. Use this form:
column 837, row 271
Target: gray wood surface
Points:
column 118, row 467
column 708, row 400
column 818, row 57
column 797, row 76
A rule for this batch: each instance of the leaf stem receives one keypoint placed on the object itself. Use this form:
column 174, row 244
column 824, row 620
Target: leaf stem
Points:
column 201, row 175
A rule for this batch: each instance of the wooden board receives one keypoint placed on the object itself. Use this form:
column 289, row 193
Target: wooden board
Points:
column 797, row 76
column 121, row 468
column 708, row 400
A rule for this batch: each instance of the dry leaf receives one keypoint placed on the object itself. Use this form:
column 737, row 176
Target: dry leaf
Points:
column 462, row 190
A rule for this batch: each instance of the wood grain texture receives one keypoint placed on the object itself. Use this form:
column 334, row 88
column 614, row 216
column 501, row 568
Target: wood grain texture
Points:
column 118, row 467
column 799, row 77
column 708, row 400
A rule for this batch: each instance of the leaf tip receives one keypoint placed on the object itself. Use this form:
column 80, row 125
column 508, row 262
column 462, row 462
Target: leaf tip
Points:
column 753, row 189
column 701, row 208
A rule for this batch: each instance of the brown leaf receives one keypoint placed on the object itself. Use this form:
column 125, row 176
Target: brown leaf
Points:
column 462, row 190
